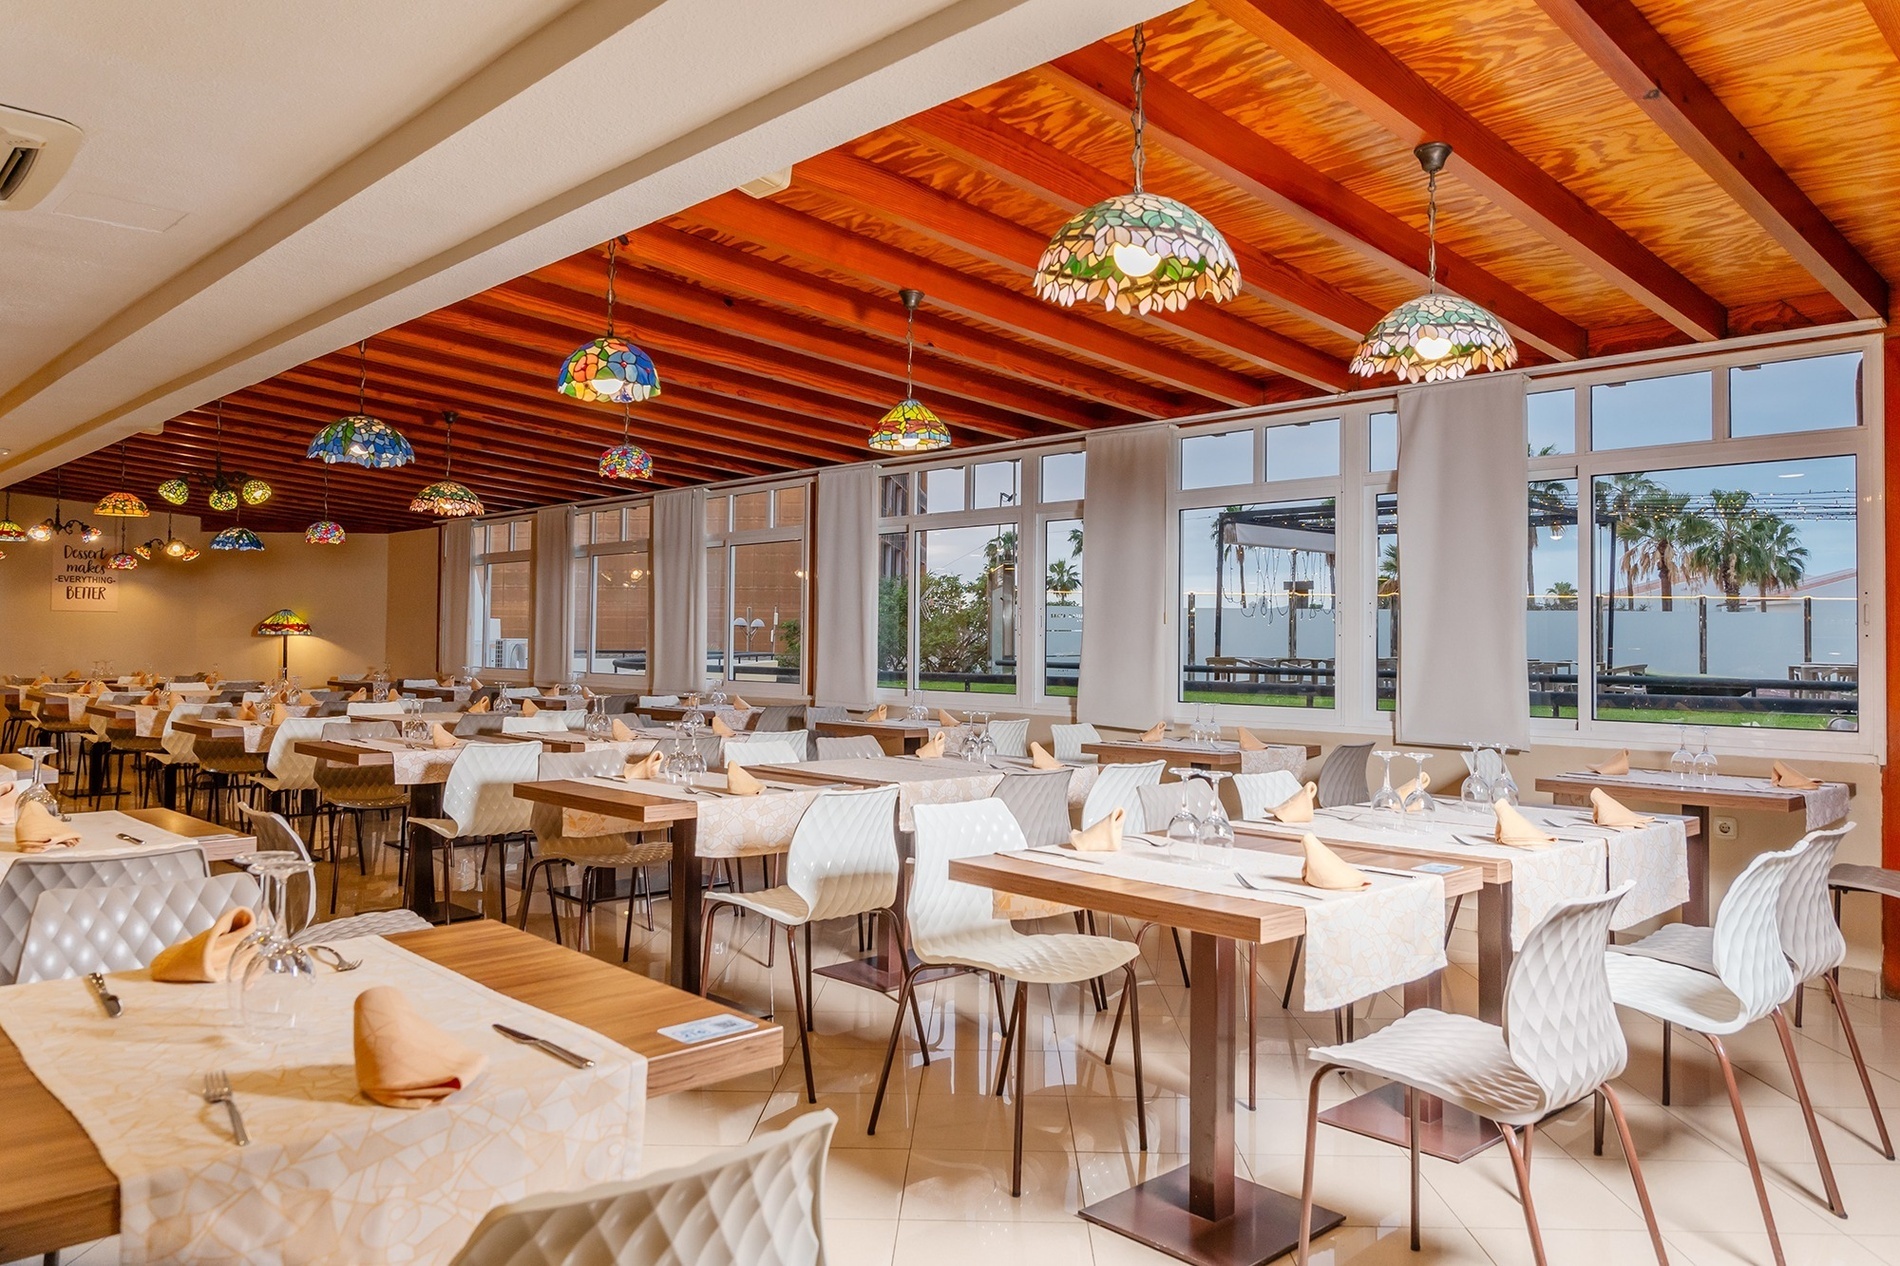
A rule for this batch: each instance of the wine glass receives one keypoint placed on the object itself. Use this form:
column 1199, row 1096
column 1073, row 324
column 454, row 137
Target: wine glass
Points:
column 1216, row 831
column 272, row 975
column 1477, row 788
column 36, row 792
column 1418, row 799
column 1682, row 760
column 414, row 728
column 1503, row 787
column 1184, row 830
column 599, row 725
column 1385, row 798
column 1704, row 764
column 916, row 712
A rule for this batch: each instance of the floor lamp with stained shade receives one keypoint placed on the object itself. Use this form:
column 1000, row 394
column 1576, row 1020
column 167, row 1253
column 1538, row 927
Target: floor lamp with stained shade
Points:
column 284, row 624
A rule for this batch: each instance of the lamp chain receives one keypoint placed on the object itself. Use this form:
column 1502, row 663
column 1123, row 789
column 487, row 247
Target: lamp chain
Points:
column 1141, row 44
column 910, row 348
column 613, row 259
column 1431, row 232
column 448, row 446
column 362, row 373
column 626, row 422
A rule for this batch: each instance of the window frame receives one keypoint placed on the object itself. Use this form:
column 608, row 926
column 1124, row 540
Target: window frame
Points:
column 479, row 564
column 588, row 554
column 732, row 539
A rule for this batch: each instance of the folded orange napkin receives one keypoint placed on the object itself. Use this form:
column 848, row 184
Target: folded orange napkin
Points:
column 1104, row 837
column 1155, row 733
column 879, row 713
column 1517, row 830
column 647, row 766
column 150, row 700
column 1299, row 807
column 739, row 782
column 206, row 957
column 1327, row 869
column 550, row 692
column 947, row 718
column 444, row 681
column 1615, row 767
column 1788, row 776
column 403, row 1061
column 480, row 705
column 211, row 682
column 307, row 700
column 1606, row 811
column 72, row 674
column 1039, row 758
column 741, row 704
column 690, row 701
column 622, row 732
column 932, row 747
column 279, row 713
column 173, row 699
column 721, row 728
column 530, row 708
column 1248, row 742
column 41, row 681
column 475, row 683
column 37, row 831
column 359, row 695
column 440, row 736
column 94, row 689
column 1423, row 781
column 10, row 800
column 247, row 712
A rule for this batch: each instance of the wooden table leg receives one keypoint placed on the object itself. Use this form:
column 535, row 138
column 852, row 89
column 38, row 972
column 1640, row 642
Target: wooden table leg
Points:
column 686, row 893
column 1696, row 909
column 1494, row 950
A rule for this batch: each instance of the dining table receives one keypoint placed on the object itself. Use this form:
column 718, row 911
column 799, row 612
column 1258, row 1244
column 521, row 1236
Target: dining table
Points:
column 896, row 737
column 56, row 1190
column 737, row 718
column 124, row 832
column 1223, row 754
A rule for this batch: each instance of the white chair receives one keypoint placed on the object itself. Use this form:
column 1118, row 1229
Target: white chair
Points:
column 842, row 862
column 659, row 701
column 287, row 772
column 1068, row 740
column 546, row 721
column 75, row 931
column 1118, row 787
column 1011, row 737
column 1718, row 981
column 786, row 747
column 481, row 807
column 759, row 1204
column 22, row 883
column 952, row 925
column 1261, row 792
column 1162, row 800
column 390, row 708
column 374, row 923
column 825, row 712
column 856, row 747
column 521, row 692
column 1560, row 1042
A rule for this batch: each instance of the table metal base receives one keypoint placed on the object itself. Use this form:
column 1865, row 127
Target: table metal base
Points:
column 881, row 972
column 1444, row 1130
column 1265, row 1224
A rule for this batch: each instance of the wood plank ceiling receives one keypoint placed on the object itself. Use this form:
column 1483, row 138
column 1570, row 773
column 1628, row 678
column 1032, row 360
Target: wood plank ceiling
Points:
column 1627, row 175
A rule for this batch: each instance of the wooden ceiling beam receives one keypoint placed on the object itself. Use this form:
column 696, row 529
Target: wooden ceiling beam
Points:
column 1654, row 75
column 1319, row 40
column 1886, row 15
column 735, row 271
column 1228, row 150
column 1011, row 156
column 866, row 187
column 825, row 245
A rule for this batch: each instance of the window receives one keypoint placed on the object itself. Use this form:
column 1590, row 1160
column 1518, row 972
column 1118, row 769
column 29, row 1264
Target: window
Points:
column 503, row 605
column 1550, row 422
column 1550, row 599
column 1385, row 616
column 755, row 586
column 1062, row 606
column 1217, row 461
column 1677, row 409
column 1382, row 448
column 1820, row 393
column 1303, row 450
column 612, row 590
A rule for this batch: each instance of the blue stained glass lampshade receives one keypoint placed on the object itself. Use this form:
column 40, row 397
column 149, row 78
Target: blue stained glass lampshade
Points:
column 237, row 538
column 324, row 532
column 626, row 461
column 361, row 440
column 910, row 427
column 446, row 499
column 608, row 369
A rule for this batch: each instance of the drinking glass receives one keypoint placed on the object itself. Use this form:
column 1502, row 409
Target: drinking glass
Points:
column 273, row 976
column 1704, row 763
column 1477, row 788
column 1386, row 798
column 719, row 698
column 1184, row 830
column 1504, row 787
column 916, row 712
column 1682, row 760
column 36, row 791
column 414, row 728
column 1216, row 831
column 599, row 724
column 1418, row 799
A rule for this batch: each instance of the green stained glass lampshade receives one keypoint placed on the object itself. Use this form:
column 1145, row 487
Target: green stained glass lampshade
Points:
column 174, row 492
column 626, row 461
column 284, row 623
column 120, row 505
column 1137, row 252
column 241, row 539
column 1435, row 338
column 609, row 369
column 324, row 532
column 11, row 531
column 361, row 440
column 255, row 492
column 446, row 499
column 910, row 427
column 223, row 499
column 121, row 561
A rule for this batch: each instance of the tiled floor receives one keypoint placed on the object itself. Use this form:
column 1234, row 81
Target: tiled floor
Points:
column 933, row 1184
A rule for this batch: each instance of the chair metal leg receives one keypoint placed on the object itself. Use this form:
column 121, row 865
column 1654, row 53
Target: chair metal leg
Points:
column 1668, row 1034
column 1115, row 1029
column 1522, row 1165
column 798, row 1009
column 1780, row 1016
column 1748, row 1149
column 1010, row 1037
column 1134, row 1037
column 709, row 911
column 907, row 994
column 1636, row 1168
column 811, row 992
column 1411, row 1146
column 1292, row 970
column 1180, row 956
column 1596, row 1112
column 1860, row 1064
column 1022, row 1079
column 917, row 1018
column 1304, row 1251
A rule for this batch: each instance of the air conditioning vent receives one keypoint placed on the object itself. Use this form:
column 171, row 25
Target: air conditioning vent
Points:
column 770, row 183
column 15, row 168
column 35, row 151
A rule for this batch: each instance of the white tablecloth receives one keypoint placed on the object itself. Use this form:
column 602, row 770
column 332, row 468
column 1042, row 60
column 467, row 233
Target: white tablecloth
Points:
column 1357, row 943
column 1825, row 806
column 729, row 826
column 328, row 1176
column 945, row 780
column 98, row 837
column 1287, row 756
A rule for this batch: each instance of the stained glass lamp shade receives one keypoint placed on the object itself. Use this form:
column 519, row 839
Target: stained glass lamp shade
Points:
column 174, row 492
column 40, row 532
column 190, row 554
column 284, row 624
column 237, row 538
column 447, row 499
column 1137, row 252
column 609, row 369
column 223, row 499
column 122, row 561
column 145, row 551
column 910, row 427
column 324, row 532
column 255, row 492
column 120, row 505
column 626, row 460
column 361, row 440
column 10, row 530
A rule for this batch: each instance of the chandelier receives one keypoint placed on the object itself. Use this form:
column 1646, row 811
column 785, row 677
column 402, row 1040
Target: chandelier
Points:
column 608, row 368
column 357, row 438
column 58, row 525
column 224, row 489
column 166, row 546
column 446, row 499
column 910, row 426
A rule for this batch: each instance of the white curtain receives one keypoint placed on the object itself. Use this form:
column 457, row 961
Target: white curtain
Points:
column 679, row 592
column 458, row 561
column 551, row 662
column 844, row 660
column 1128, row 634
column 1463, row 515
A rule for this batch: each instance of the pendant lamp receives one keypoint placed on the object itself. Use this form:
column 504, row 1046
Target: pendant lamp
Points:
column 609, row 368
column 325, row 531
column 910, row 426
column 626, row 460
column 121, row 505
column 357, row 438
column 446, row 499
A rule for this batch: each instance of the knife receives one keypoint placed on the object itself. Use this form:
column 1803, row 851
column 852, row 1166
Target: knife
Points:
column 107, row 999
column 528, row 1039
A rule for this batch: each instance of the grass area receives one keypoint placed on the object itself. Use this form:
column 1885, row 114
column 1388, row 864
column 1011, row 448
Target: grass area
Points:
column 967, row 688
column 1263, row 700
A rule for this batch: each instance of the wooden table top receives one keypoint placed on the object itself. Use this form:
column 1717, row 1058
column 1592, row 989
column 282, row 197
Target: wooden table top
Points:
column 354, row 752
column 628, row 803
column 677, row 712
column 1769, row 799
column 55, row 1190
column 1127, row 751
column 875, row 729
column 219, row 842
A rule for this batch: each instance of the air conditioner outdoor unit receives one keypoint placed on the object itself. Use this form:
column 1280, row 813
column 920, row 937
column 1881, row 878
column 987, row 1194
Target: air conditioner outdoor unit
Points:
column 35, row 151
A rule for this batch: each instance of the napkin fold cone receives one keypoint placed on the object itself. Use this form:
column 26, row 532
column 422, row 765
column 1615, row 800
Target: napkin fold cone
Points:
column 1615, row 767
column 10, row 800
column 622, row 732
column 1327, row 869
column 1786, row 775
column 741, row 783
column 359, row 695
column 721, row 729
column 247, row 712
column 529, row 708
column 279, row 713
column 1039, row 758
column 1104, row 837
column 480, row 705
column 403, row 1061
column 647, row 766
column 206, row 957
column 150, row 700
column 741, row 704
column 1515, row 829
column 37, row 831
column 1300, row 806
column 1421, row 783
column 307, row 700
column 440, row 736
column 1249, row 742
column 932, row 747
column 879, row 713
column 1155, row 733
column 947, row 718
column 1606, row 810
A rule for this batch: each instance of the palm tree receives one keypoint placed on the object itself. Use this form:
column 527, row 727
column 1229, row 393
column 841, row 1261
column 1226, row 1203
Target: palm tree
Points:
column 1063, row 580
column 1618, row 500
column 1561, row 596
column 1661, row 533
column 1546, row 495
column 1389, row 571
column 1075, row 541
column 1778, row 559
column 1727, row 554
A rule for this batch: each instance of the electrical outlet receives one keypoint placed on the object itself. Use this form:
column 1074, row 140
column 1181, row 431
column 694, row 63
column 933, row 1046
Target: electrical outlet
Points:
column 1725, row 828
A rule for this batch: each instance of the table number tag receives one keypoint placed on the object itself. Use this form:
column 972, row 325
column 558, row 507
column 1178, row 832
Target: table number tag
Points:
column 707, row 1029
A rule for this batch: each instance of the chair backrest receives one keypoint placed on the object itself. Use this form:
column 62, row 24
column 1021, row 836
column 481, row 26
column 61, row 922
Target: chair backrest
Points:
column 274, row 832
column 480, row 792
column 521, row 692
column 1748, row 953
column 427, row 683
column 29, row 876
column 1039, row 801
column 825, row 712
column 1559, row 1020
column 843, row 855
column 774, row 717
column 547, row 721
column 785, row 747
column 292, row 770
column 938, row 909
column 74, row 931
column 1809, row 936
column 760, row 1204
column 1161, row 801
column 847, row 748
column 480, row 723
column 1342, row 779
column 659, row 701
column 392, row 708
column 606, row 762
column 1261, row 792
column 1069, row 739
column 1011, row 737
column 1118, row 786
column 343, row 731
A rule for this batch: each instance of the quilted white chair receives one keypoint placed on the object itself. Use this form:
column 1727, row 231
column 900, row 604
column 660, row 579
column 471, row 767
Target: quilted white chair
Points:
column 1342, row 777
column 374, row 923
column 851, row 748
column 1011, row 737
column 22, row 883
column 389, row 708
column 75, row 931
column 287, row 772
column 546, row 721
column 842, row 862
column 1560, row 1043
column 760, row 1204
column 826, row 712
column 952, row 925
column 1261, row 792
column 1119, row 786
column 659, row 701
column 785, row 747
column 481, row 807
column 1068, row 740
column 1717, row 982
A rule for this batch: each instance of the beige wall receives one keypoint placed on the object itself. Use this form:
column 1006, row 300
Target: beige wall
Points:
column 411, row 599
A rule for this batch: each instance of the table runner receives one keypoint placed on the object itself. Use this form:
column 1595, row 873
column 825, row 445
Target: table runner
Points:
column 1825, row 805
column 729, row 826
column 328, row 1176
column 98, row 837
column 918, row 781
column 1357, row 943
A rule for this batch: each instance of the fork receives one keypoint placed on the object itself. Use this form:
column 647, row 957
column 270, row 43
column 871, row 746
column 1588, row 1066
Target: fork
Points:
column 330, row 958
column 1276, row 889
column 218, row 1090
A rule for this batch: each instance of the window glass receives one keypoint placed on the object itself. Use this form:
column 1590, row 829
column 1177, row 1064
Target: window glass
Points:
column 966, row 610
column 524, row 534
column 768, row 609
column 1385, row 638
column 1062, row 606
column 1647, row 411
column 497, row 539
column 1258, row 604
column 997, row 484
column 1728, row 595
column 606, row 526
column 715, row 612
column 751, row 510
column 1550, row 603
column 1550, row 422
column 893, row 495
column 1214, row 461
column 789, row 507
column 582, row 526
column 893, row 609
column 507, row 611
column 1303, row 450
column 1382, row 449
column 640, row 522
column 715, row 517
column 622, row 590
column 940, row 491
column 1064, row 476
column 1819, row 393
